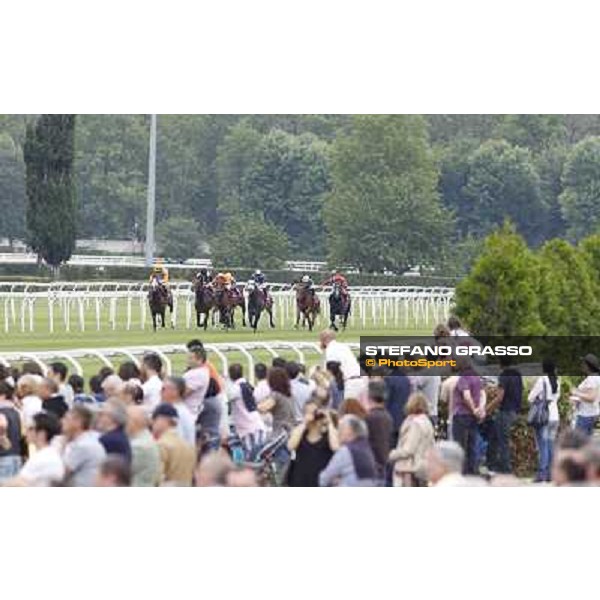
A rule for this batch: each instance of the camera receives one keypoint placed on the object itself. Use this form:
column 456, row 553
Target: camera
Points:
column 320, row 414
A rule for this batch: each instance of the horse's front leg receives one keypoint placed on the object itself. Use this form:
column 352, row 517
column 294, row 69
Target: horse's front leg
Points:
column 271, row 322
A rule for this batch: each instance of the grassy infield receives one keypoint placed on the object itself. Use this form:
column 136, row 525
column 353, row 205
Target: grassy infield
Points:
column 41, row 339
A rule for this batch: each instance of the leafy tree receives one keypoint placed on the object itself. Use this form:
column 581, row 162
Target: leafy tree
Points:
column 590, row 247
column 249, row 241
column 460, row 257
column 51, row 205
column 457, row 128
column 534, row 132
column 111, row 167
column 454, row 164
column 384, row 211
column 235, row 157
column 580, row 200
column 286, row 182
column 12, row 189
column 186, row 174
column 503, row 184
column 569, row 293
column 324, row 126
column 550, row 163
column 499, row 296
column 178, row 238
column 581, row 126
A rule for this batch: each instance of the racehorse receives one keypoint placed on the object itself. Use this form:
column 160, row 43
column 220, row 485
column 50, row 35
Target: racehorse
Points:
column 258, row 300
column 308, row 306
column 226, row 303
column 204, row 302
column 159, row 297
column 339, row 306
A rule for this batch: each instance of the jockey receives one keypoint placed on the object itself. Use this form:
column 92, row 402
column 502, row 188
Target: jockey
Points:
column 308, row 284
column 160, row 273
column 260, row 281
column 337, row 277
column 223, row 281
column 203, row 276
column 259, row 278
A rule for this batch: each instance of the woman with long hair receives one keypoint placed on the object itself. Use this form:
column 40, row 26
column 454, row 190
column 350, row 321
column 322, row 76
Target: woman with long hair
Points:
column 279, row 403
column 548, row 387
column 313, row 443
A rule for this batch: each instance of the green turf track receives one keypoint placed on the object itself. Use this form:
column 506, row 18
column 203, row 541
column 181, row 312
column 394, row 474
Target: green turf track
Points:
column 42, row 340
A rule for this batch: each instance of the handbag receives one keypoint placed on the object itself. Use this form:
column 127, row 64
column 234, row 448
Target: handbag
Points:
column 539, row 412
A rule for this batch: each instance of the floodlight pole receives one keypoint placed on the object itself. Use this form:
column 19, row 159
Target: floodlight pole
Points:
column 151, row 203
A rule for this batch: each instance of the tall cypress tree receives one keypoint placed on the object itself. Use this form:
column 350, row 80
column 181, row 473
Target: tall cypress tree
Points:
column 51, row 203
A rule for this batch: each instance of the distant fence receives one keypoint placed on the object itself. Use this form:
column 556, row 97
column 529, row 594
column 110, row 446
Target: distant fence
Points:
column 71, row 306
column 246, row 352
column 91, row 260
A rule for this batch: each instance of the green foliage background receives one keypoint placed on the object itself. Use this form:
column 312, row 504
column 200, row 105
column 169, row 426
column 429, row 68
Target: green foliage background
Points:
column 445, row 181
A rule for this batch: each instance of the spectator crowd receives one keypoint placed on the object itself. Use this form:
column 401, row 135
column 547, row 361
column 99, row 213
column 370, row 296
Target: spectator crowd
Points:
column 330, row 425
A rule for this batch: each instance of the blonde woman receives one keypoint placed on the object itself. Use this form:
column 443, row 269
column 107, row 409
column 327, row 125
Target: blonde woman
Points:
column 28, row 393
column 416, row 438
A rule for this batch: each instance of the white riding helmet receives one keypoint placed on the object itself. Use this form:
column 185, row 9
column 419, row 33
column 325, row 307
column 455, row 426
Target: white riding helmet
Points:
column 305, row 278
column 257, row 272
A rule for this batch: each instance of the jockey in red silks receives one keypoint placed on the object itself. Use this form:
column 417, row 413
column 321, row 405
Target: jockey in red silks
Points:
column 337, row 277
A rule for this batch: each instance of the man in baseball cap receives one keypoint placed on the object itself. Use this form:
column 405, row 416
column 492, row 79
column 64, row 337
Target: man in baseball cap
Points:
column 177, row 457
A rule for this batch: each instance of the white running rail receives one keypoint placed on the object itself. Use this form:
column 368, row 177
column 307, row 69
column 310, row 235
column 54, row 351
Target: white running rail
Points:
column 69, row 307
column 244, row 352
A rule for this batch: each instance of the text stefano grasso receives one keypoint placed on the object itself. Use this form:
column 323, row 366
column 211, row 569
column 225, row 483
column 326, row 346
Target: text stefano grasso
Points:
column 466, row 350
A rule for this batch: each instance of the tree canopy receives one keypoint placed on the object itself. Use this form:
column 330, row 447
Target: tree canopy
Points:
column 499, row 296
column 323, row 179
column 384, row 210
column 249, row 242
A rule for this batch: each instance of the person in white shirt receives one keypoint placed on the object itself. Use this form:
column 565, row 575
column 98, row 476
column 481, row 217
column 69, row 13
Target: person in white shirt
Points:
column 245, row 417
column 354, row 386
column 151, row 375
column 456, row 329
column 197, row 377
column 172, row 393
column 262, row 389
column 45, row 466
column 587, row 395
column 548, row 388
column 28, row 394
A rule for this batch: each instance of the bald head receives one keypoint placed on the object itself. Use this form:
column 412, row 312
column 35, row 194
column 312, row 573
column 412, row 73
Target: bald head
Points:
column 137, row 419
column 326, row 336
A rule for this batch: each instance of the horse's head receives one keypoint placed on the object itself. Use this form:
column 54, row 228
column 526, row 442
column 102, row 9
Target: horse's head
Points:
column 154, row 291
column 337, row 290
